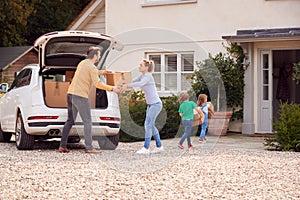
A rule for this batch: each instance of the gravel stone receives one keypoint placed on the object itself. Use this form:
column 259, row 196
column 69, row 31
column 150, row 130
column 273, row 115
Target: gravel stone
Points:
column 228, row 167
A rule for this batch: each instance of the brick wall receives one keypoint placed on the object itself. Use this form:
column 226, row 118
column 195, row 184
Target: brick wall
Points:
column 29, row 58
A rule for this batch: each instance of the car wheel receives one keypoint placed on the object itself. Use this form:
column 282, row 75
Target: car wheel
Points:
column 108, row 142
column 23, row 140
column 4, row 136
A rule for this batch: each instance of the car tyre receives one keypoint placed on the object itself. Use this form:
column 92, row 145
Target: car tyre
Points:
column 4, row 136
column 23, row 140
column 108, row 142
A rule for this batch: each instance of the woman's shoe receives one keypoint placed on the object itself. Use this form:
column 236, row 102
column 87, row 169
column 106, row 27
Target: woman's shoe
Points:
column 143, row 151
column 158, row 149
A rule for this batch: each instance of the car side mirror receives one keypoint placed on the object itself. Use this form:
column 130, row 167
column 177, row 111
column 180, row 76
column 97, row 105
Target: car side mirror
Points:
column 3, row 87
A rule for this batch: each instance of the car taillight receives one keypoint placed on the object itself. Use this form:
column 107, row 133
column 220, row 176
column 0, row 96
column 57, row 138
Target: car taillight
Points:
column 110, row 118
column 42, row 117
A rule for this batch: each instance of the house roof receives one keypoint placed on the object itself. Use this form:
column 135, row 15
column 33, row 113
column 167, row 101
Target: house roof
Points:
column 265, row 35
column 9, row 55
column 86, row 13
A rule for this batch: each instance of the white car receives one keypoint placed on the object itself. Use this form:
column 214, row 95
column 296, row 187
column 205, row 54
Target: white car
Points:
column 34, row 106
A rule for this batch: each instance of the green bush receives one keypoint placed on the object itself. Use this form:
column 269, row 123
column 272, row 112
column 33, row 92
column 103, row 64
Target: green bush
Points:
column 296, row 72
column 133, row 112
column 221, row 77
column 132, row 108
column 171, row 126
column 287, row 129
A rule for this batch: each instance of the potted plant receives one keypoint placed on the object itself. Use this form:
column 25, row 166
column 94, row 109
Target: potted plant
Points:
column 221, row 77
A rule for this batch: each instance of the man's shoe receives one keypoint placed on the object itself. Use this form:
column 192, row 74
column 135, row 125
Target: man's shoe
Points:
column 158, row 149
column 180, row 146
column 63, row 150
column 190, row 146
column 143, row 151
column 93, row 151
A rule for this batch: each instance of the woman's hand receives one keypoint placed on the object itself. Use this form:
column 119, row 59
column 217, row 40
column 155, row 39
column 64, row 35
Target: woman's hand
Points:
column 124, row 87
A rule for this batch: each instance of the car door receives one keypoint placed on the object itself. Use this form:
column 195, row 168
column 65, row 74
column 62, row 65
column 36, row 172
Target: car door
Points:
column 68, row 48
column 14, row 98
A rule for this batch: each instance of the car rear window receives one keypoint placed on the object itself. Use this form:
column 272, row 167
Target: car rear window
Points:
column 60, row 51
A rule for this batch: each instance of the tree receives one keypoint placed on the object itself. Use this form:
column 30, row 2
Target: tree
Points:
column 221, row 77
column 13, row 20
column 22, row 22
column 296, row 72
column 55, row 15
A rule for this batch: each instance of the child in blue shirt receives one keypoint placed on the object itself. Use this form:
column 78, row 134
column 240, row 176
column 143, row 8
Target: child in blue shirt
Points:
column 202, row 102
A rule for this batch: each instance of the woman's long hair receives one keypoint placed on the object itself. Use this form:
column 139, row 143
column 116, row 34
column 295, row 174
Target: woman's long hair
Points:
column 150, row 64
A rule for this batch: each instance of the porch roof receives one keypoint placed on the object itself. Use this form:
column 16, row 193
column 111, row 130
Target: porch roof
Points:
column 258, row 35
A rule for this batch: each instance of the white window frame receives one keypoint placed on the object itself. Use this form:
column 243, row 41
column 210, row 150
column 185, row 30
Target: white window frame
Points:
column 148, row 3
column 162, row 90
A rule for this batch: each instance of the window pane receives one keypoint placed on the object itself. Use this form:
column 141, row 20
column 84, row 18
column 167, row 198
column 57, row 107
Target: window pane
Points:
column 187, row 62
column 171, row 82
column 171, row 63
column 186, row 81
column 157, row 79
column 265, row 93
column 265, row 61
column 157, row 62
column 266, row 76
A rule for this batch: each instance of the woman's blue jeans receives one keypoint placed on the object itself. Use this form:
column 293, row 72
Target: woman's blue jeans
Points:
column 82, row 105
column 187, row 131
column 152, row 112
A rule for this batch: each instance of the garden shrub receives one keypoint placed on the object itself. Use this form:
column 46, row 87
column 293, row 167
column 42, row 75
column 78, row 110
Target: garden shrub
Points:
column 132, row 108
column 171, row 126
column 222, row 76
column 133, row 112
column 287, row 129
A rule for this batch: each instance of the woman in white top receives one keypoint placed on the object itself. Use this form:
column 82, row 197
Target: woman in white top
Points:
column 154, row 105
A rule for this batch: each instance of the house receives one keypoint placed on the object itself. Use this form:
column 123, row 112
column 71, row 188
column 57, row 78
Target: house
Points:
column 177, row 33
column 271, row 54
column 13, row 59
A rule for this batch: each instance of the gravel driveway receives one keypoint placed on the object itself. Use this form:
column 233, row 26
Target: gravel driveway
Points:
column 229, row 167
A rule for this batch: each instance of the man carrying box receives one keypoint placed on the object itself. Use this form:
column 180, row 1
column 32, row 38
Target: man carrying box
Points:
column 85, row 76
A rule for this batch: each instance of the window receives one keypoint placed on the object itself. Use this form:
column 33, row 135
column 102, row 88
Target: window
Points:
column 265, row 77
column 148, row 3
column 172, row 71
column 22, row 79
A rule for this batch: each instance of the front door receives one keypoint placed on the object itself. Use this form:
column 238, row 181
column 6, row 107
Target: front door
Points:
column 265, row 92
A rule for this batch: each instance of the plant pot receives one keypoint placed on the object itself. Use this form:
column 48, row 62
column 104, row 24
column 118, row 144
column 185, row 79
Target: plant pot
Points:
column 219, row 123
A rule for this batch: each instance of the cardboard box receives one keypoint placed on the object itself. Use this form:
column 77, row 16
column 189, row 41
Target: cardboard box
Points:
column 69, row 76
column 56, row 94
column 196, row 118
column 118, row 78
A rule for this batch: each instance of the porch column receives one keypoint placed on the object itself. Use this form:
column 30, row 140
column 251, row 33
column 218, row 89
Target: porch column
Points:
column 248, row 126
